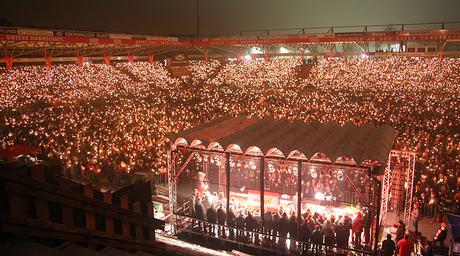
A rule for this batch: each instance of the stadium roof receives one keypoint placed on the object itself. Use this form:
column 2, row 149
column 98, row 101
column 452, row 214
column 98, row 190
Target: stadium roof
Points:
column 350, row 144
column 32, row 45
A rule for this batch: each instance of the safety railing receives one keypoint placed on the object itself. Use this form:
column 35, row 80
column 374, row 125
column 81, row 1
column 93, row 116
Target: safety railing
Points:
column 353, row 28
column 261, row 241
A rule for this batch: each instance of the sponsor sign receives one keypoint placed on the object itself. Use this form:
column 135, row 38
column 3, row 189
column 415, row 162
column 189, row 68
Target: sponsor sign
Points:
column 35, row 32
column 5, row 30
column 80, row 34
column 14, row 34
column 120, row 36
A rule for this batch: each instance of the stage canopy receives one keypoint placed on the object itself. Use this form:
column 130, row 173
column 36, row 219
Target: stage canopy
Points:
column 350, row 144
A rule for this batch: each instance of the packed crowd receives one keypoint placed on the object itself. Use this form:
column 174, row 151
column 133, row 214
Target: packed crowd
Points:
column 112, row 118
column 202, row 70
column 281, row 229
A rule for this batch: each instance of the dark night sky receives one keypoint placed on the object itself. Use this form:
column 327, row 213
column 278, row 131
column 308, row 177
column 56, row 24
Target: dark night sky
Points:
column 219, row 17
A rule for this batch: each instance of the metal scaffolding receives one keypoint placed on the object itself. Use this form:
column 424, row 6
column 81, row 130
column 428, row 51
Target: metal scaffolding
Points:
column 175, row 165
column 172, row 179
column 385, row 193
column 409, row 183
column 400, row 164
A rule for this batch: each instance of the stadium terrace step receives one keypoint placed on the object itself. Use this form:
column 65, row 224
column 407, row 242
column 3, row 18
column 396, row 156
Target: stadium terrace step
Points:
column 303, row 71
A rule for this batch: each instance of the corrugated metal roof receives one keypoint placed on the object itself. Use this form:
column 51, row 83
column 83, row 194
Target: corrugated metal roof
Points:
column 361, row 143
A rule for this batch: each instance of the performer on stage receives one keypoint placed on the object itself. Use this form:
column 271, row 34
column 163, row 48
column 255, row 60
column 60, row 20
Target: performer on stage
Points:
column 201, row 186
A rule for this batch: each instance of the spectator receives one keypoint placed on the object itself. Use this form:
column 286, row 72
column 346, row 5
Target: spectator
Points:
column 268, row 219
column 415, row 217
column 231, row 222
column 240, row 223
column 400, row 231
column 106, row 122
column 276, row 223
column 367, row 228
column 304, row 235
column 441, row 235
column 200, row 214
column 427, row 250
column 192, row 210
column 348, row 226
column 388, row 246
column 342, row 235
column 329, row 233
column 211, row 217
column 221, row 217
column 316, row 239
column 292, row 229
column 405, row 246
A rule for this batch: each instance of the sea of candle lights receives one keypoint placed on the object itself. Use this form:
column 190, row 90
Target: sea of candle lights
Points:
column 114, row 117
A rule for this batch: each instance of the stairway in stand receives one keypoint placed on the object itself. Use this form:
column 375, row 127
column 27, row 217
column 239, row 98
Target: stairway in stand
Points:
column 303, row 71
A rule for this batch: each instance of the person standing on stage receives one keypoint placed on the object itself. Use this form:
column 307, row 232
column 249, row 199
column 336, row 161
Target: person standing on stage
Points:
column 357, row 229
column 200, row 184
column 367, row 227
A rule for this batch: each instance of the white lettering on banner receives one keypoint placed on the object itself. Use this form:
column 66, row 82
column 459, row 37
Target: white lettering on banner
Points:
column 34, row 38
column 80, row 34
column 31, row 32
column 119, row 36
column 8, row 31
column 170, row 41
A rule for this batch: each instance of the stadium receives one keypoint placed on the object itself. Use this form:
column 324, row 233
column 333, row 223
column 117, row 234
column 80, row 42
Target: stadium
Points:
column 298, row 141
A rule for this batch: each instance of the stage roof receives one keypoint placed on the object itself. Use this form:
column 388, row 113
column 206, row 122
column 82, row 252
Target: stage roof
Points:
column 296, row 140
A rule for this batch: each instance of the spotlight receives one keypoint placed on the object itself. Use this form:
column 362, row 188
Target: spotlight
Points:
column 319, row 196
column 283, row 50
